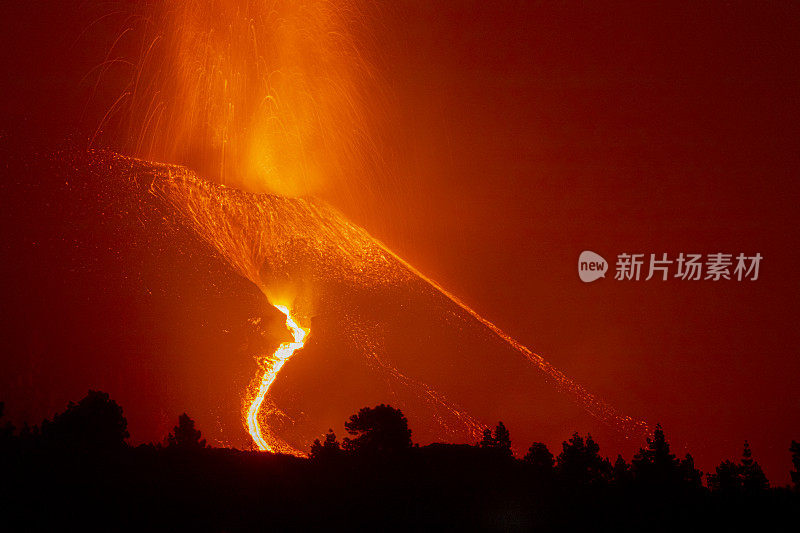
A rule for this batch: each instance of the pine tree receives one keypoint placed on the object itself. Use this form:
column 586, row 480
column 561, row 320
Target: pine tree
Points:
column 502, row 439
column 746, row 476
column 6, row 430
column 94, row 423
column 539, row 458
column 621, row 473
column 580, row 463
column 691, row 476
column 753, row 478
column 327, row 450
column 379, row 429
column 185, row 436
column 726, row 479
column 655, row 465
column 487, row 441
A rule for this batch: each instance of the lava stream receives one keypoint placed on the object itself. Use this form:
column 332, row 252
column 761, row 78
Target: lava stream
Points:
column 272, row 366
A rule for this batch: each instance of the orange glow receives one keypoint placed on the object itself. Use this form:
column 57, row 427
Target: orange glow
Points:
column 272, row 364
column 266, row 95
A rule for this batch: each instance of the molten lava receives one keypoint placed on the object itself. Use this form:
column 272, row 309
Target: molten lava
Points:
column 264, row 438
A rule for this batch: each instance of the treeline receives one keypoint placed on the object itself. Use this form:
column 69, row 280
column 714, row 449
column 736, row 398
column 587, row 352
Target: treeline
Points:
column 383, row 429
column 77, row 469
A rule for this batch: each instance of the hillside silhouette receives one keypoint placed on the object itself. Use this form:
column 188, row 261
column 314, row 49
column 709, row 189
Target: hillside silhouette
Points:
column 77, row 471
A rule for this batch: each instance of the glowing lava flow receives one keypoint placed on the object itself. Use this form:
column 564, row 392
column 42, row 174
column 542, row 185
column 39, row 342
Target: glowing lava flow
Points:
column 273, row 365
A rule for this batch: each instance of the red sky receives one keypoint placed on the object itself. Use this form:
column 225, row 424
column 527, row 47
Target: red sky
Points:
column 536, row 133
column 524, row 134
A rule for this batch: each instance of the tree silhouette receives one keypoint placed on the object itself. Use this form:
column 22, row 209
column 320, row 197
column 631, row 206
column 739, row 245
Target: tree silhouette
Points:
column 655, row 463
column 726, row 478
column 795, row 451
column 747, row 476
column 6, row 430
column 379, row 429
column 184, row 436
column 655, row 466
column 580, row 464
column 487, row 441
column 753, row 478
column 500, row 440
column 539, row 456
column 539, row 460
column 690, row 475
column 327, row 450
column 621, row 473
column 94, row 423
column 28, row 434
column 423, row 489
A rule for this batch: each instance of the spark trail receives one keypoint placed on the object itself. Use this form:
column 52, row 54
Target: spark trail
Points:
column 593, row 405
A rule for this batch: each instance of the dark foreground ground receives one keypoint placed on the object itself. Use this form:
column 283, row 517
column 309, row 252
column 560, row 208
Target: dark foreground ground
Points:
column 434, row 487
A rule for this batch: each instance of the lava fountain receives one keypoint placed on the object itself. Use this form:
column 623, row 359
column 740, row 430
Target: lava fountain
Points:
column 266, row 95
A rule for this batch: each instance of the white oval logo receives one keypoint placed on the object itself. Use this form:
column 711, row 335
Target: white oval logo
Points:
column 591, row 266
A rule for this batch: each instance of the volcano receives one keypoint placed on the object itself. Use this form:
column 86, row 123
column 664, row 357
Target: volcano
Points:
column 216, row 261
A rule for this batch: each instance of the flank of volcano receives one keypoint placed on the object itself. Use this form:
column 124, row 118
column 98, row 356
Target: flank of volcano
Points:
column 355, row 324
